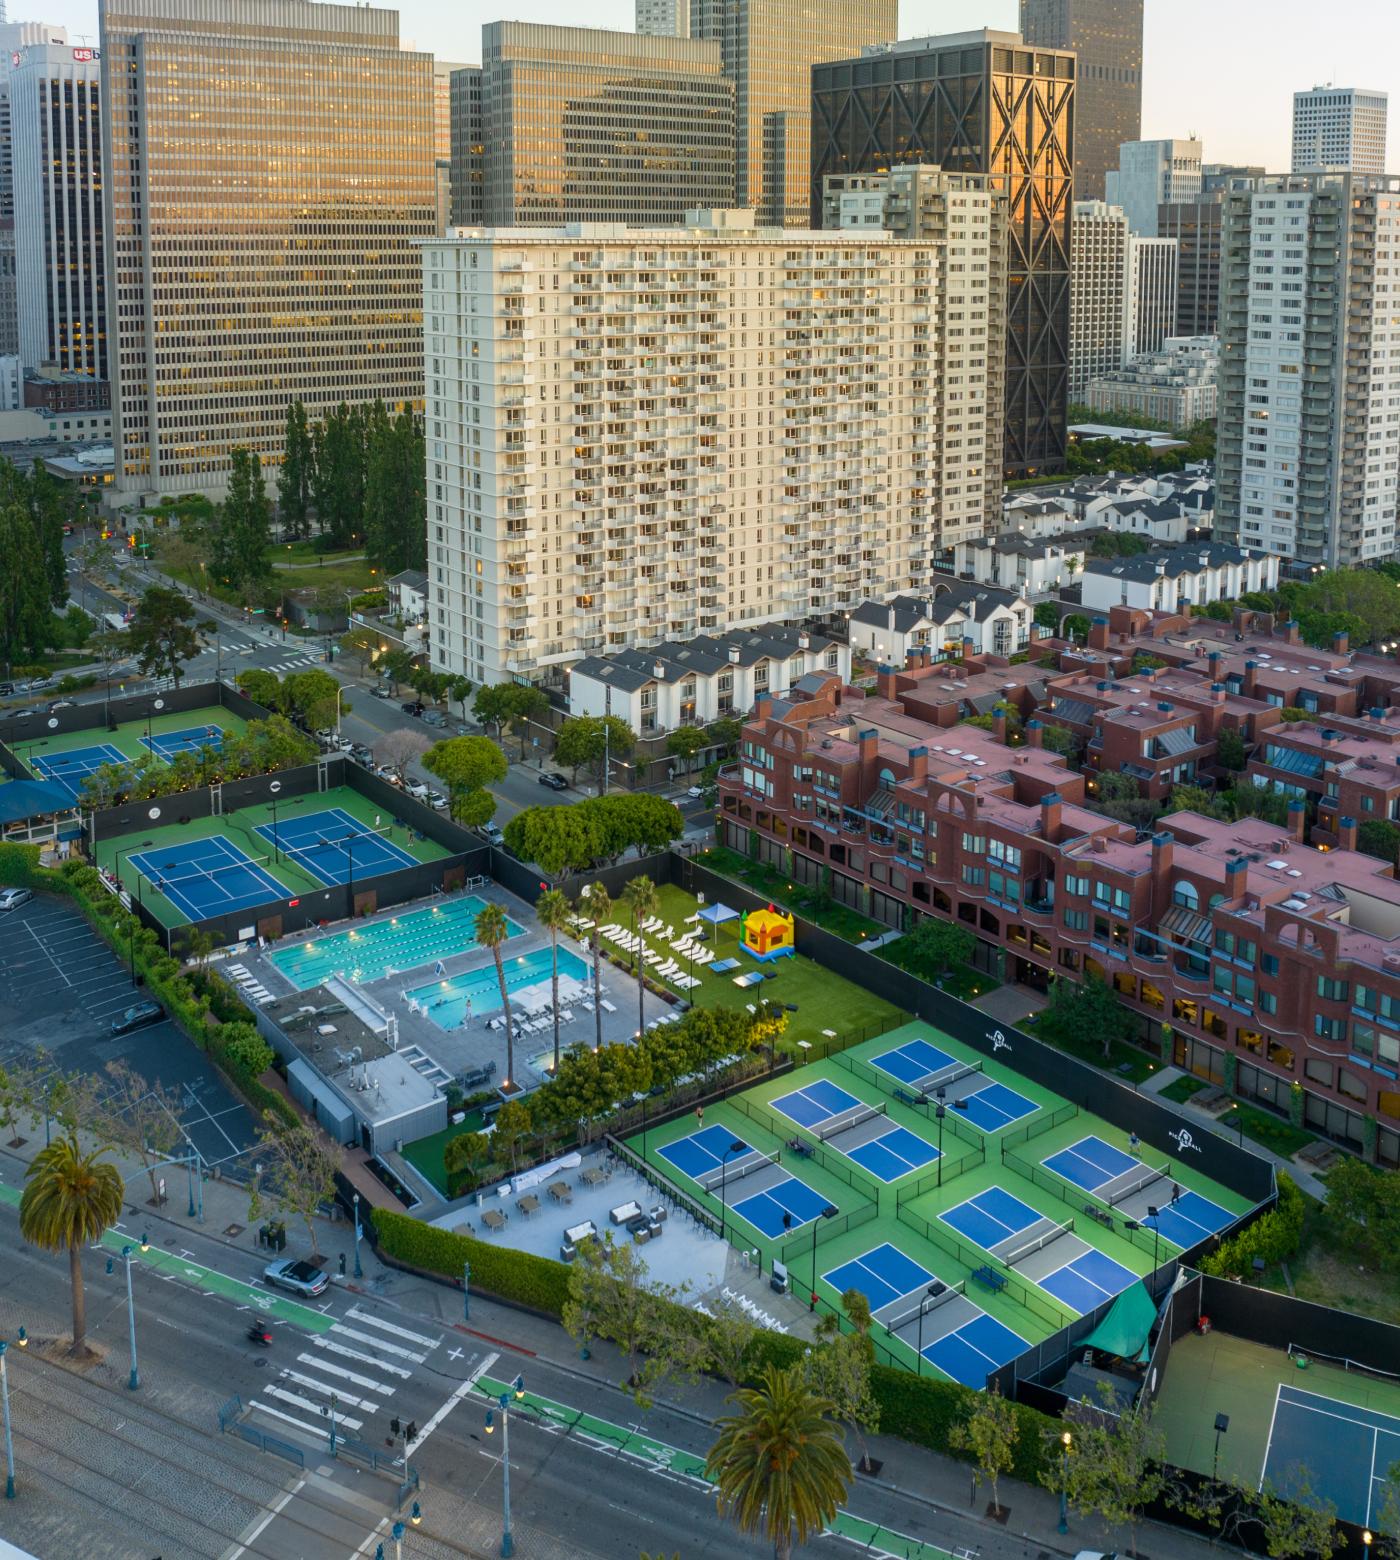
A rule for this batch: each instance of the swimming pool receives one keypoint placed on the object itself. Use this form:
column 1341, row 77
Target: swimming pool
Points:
column 369, row 953
column 445, row 1001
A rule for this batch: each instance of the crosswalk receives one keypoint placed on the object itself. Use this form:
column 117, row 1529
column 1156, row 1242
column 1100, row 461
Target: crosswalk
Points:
column 363, row 1360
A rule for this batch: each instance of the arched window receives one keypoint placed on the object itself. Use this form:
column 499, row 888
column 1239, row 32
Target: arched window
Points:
column 886, row 777
column 1185, row 895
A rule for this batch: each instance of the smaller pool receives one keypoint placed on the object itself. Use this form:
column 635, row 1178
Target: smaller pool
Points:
column 446, row 1002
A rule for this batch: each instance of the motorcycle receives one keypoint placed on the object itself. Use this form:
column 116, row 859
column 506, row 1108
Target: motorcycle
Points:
column 260, row 1333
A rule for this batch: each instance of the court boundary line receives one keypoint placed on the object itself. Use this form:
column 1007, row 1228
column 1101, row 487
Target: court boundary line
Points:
column 192, row 912
column 400, row 858
column 1346, row 1419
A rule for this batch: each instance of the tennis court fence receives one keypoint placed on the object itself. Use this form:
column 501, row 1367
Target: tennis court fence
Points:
column 825, row 1230
column 896, row 1090
column 975, row 1259
column 1342, row 1362
column 1080, row 1200
column 930, row 1180
column 1039, row 1124
column 669, row 1189
column 786, row 1132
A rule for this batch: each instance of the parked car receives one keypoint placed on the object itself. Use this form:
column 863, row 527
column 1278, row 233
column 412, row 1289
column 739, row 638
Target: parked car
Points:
column 493, row 833
column 60, row 704
column 434, row 718
column 342, row 744
column 20, row 714
column 417, row 789
column 302, row 1278
column 554, row 780
column 387, row 772
column 138, row 1017
column 695, row 792
column 413, row 707
column 324, row 734
column 437, row 801
column 361, row 754
column 380, row 693
column 13, row 898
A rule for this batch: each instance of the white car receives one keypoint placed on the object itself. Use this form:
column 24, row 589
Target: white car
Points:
column 437, row 801
column 417, row 789
column 13, row 898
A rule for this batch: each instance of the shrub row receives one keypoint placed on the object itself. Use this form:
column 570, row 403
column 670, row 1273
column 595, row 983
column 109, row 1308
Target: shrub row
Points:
column 1274, row 1236
column 914, row 1408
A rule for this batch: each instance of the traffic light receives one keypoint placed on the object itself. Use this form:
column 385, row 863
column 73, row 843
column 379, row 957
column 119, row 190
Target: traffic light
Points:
column 411, row 1434
column 131, row 539
column 394, row 1426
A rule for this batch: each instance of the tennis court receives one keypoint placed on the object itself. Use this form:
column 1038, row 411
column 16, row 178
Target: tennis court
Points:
column 1188, row 1219
column 774, row 1202
column 70, row 769
column 207, row 877
column 1343, row 1451
column 942, row 1324
column 334, row 847
column 863, row 1133
column 190, row 739
column 925, row 1069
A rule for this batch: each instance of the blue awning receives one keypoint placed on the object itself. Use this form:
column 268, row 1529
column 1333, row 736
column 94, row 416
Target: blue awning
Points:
column 23, row 799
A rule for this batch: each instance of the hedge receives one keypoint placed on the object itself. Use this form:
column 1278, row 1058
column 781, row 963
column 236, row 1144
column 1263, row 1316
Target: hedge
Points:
column 915, row 1408
column 1274, row 1236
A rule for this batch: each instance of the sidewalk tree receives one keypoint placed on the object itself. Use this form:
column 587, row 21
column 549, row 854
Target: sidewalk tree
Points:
column 1300, row 1525
column 778, row 1465
column 294, row 476
column 312, row 694
column 642, row 902
column 1086, row 1012
column 528, row 704
column 686, row 742
column 645, row 822
column 402, row 746
column 161, row 633
column 510, row 704
column 586, row 741
column 596, row 904
column 139, row 1118
column 988, row 1435
column 460, row 688
column 242, row 534
column 725, row 732
column 24, row 597
column 559, row 840
column 362, row 643
column 298, row 1172
column 491, row 929
column 261, row 687
column 397, row 666
column 71, row 1196
column 1114, row 1467
column 839, row 1369
column 468, row 767
column 108, row 649
column 732, row 1335
column 554, row 912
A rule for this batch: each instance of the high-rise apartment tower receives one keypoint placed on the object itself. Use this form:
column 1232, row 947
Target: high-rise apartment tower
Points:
column 268, row 168
column 1122, row 293
column 664, row 18
column 1336, row 129
column 978, row 102
column 1150, row 174
column 1310, row 368
column 1107, row 35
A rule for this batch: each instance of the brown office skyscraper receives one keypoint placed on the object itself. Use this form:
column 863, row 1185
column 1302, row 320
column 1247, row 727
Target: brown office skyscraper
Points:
column 269, row 166
column 1108, row 96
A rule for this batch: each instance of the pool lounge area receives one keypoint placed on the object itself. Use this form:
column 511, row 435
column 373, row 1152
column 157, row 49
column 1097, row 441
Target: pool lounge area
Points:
column 453, row 1002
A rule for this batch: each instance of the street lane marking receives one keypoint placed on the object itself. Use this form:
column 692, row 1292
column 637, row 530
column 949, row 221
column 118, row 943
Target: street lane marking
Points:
column 325, row 1388
column 323, row 1342
column 276, row 1413
column 297, row 1401
column 381, row 1387
column 357, row 1315
column 461, row 1392
column 378, row 1343
column 272, row 1511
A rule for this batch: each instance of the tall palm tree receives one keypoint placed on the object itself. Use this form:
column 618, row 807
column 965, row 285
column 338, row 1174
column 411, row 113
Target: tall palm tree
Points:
column 642, row 900
column 552, row 911
column 70, row 1198
column 597, row 906
column 492, row 929
column 779, row 1466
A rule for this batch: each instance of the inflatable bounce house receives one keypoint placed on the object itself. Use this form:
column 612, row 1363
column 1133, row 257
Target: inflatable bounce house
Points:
column 767, row 935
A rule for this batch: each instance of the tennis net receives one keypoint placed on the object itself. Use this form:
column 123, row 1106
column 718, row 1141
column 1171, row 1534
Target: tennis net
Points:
column 855, row 1116
column 1149, row 1178
column 929, row 1303
column 1341, row 1362
column 737, row 1169
column 1038, row 1244
column 947, row 1077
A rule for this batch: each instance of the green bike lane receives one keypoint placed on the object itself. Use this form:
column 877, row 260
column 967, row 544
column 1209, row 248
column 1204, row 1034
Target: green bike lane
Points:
column 560, row 1418
column 172, row 1267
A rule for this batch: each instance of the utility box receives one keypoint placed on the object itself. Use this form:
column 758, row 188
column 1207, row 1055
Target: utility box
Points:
column 779, row 1282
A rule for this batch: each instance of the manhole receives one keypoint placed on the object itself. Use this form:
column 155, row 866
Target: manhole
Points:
column 259, row 1363
column 233, row 1229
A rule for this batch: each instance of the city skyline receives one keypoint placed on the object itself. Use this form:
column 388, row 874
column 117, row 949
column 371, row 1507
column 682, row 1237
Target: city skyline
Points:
column 1362, row 49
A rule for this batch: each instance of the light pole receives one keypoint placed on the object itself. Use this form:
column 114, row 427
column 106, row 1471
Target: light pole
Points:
column 133, row 1381
column 518, row 1388
column 5, row 1399
column 331, row 1412
column 275, row 839
column 1065, row 1440
column 1156, row 1236
column 1222, row 1424
column 359, row 1271
column 939, row 1113
column 466, row 1291
column 933, row 1290
column 735, row 1147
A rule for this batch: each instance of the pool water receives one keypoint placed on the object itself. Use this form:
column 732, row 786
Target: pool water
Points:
column 445, row 1001
column 369, row 953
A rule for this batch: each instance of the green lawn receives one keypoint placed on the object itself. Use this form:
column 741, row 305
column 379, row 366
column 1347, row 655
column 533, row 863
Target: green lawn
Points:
column 824, row 1000
column 1123, row 1060
column 1182, row 1089
column 425, row 1155
column 1273, row 1132
column 962, row 982
column 807, row 902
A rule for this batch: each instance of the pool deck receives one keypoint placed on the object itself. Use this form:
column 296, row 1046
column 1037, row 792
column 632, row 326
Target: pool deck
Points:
column 466, row 1049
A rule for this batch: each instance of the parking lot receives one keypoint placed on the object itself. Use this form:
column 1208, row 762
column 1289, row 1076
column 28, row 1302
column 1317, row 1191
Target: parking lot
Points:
column 61, row 988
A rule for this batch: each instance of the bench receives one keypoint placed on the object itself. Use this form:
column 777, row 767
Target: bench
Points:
column 1101, row 1214
column 801, row 1149
column 989, row 1279
column 1319, row 1154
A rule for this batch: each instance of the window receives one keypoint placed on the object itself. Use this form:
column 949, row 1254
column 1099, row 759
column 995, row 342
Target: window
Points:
column 1076, row 885
column 1185, row 895
column 1329, row 1028
column 1077, row 920
column 1331, row 989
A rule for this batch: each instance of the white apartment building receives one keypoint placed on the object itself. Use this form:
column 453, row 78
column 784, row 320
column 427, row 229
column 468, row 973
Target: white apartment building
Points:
column 1177, row 385
column 645, row 434
column 1336, row 129
column 957, row 616
column 1309, row 397
column 1150, row 174
column 1122, row 293
column 1026, row 565
column 1165, row 581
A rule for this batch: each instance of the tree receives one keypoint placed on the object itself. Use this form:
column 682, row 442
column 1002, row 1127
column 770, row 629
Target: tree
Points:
column 989, row 1435
column 24, row 596
column 1086, row 1012
column 1379, row 837
column 1195, row 798
column 778, row 1465
column 512, row 1126
column 161, row 633
column 460, row 688
column 397, row 666
column 313, row 695
column 647, row 823
column 140, row 1118
column 732, row 1335
column 395, row 492
column 686, row 742
column 242, row 533
column 596, row 905
column 295, row 476
column 725, row 732
column 1363, row 1211
column 553, row 912
column 70, row 1197
column 1075, row 627
column 1300, row 1525
column 1229, row 749
column 590, row 740
column 559, row 840
column 492, row 706
column 108, row 650
column 642, row 902
column 1114, row 1466
column 466, row 1155
column 261, row 687
column 492, row 928
column 338, row 474
column 1386, row 1510
column 610, row 1297
column 1060, row 739
column 361, row 642
column 935, row 947
column 299, row 1168
column 401, row 747
column 839, row 1369
column 1047, row 615
column 467, row 766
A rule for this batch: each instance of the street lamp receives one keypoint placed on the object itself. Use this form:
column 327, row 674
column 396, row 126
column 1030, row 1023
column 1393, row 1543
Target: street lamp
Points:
column 1222, row 1424
column 518, row 1388
column 934, row 1290
column 133, row 1381
column 331, row 1412
column 5, row 1399
column 275, row 838
column 359, row 1271
column 194, row 1167
column 736, row 1147
column 1065, row 1441
column 1156, row 1236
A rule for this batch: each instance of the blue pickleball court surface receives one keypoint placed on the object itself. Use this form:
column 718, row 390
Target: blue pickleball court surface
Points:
column 1090, row 1163
column 1088, row 1280
column 975, row 1350
column 701, row 1155
column 334, row 847
column 894, row 1155
column 996, row 1106
column 921, row 1065
column 765, row 1209
column 816, row 1103
column 1346, row 1452
column 1188, row 1219
column 191, row 740
column 991, row 1217
column 887, row 1151
column 883, row 1275
column 70, row 769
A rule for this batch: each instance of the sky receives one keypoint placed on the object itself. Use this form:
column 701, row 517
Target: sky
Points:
column 1223, row 70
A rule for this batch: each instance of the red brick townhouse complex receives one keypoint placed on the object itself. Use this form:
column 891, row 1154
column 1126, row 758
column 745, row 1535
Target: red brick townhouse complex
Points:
column 1275, row 962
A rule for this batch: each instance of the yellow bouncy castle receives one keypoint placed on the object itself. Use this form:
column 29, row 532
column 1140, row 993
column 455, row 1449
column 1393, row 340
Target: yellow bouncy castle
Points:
column 767, row 935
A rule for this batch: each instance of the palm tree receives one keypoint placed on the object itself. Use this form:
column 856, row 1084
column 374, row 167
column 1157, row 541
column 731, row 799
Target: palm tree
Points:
column 641, row 899
column 552, row 911
column 492, row 929
column 779, row 1466
column 70, row 1198
column 597, row 906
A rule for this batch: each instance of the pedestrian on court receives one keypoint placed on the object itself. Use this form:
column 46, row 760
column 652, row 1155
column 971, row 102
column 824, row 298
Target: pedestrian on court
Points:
column 1134, row 1145
column 812, row 1303
column 700, row 1115
column 376, row 820
column 1176, row 1191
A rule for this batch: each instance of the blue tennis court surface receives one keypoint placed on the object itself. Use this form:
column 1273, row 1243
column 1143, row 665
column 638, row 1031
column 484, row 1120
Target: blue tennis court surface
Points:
column 883, row 1275
column 818, row 1103
column 70, row 769
column 923, row 1066
column 702, row 1153
column 191, row 740
column 1346, row 1451
column 207, row 877
column 335, row 847
column 1188, row 1219
column 1088, row 1280
column 991, row 1217
column 975, row 1350
column 720, row 1162
column 1091, row 1163
column 862, row 1132
column 894, row 1154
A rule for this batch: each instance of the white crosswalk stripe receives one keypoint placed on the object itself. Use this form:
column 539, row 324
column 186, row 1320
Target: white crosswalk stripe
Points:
column 323, row 1342
column 327, row 1368
column 354, row 1314
column 378, row 1343
column 325, row 1388
column 296, row 1399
